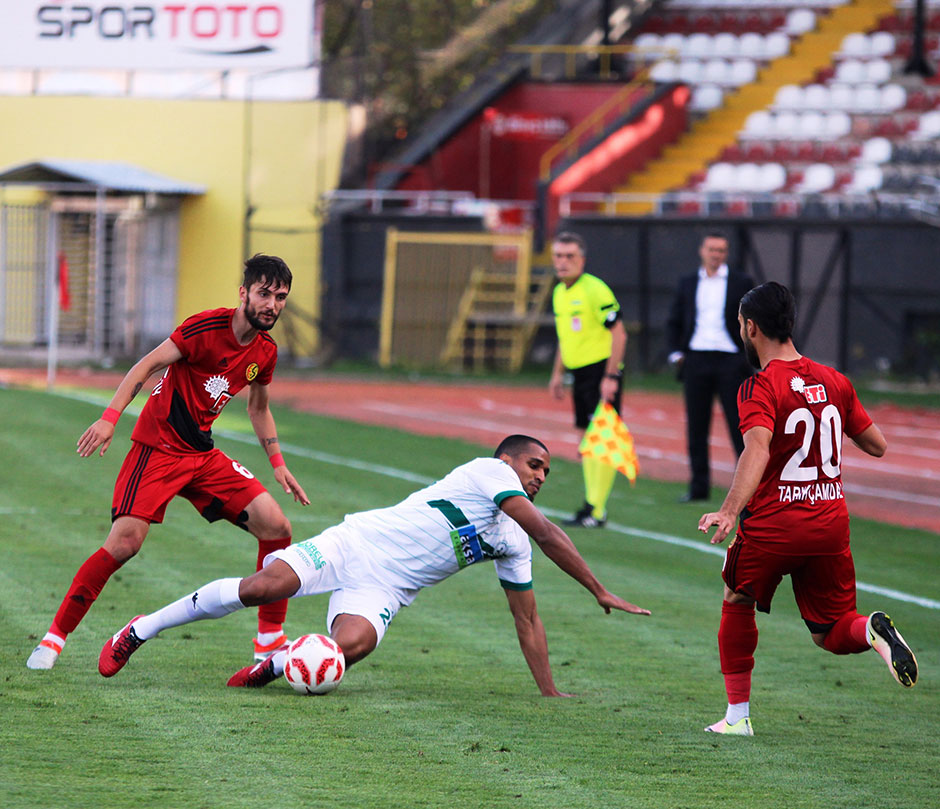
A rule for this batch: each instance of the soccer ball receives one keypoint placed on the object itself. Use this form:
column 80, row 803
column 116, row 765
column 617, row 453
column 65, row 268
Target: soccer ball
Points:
column 315, row 664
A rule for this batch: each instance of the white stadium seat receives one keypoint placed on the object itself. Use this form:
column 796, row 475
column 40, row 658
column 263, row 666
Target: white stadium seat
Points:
column 664, row 71
column 867, row 98
column 855, row 45
column 698, row 46
column 812, row 125
column 850, row 71
column 865, row 179
column 719, row 177
column 751, row 45
column 841, row 97
column 689, row 71
column 706, row 97
column 817, row 178
column 786, row 125
column 759, row 124
column 882, row 44
column 875, row 151
column 771, row 177
column 716, row 71
column 838, row 124
column 648, row 45
column 877, row 71
column 893, row 97
column 816, row 97
column 741, row 72
column 725, row 45
column 746, row 178
column 929, row 126
column 673, row 45
column 776, row 44
column 799, row 21
column 789, row 97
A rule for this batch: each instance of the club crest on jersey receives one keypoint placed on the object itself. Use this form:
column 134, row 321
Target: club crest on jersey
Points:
column 251, row 371
column 814, row 394
column 217, row 388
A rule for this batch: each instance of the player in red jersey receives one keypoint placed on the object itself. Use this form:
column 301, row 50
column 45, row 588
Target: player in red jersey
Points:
column 787, row 489
column 208, row 359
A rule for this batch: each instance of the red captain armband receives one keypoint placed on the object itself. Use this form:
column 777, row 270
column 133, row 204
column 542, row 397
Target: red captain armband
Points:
column 111, row 415
column 277, row 460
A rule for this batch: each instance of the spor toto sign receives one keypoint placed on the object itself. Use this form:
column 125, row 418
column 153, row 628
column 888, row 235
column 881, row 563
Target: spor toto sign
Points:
column 160, row 35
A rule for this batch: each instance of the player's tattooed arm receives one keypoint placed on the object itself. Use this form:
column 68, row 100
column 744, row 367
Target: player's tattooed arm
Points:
column 136, row 390
column 266, row 442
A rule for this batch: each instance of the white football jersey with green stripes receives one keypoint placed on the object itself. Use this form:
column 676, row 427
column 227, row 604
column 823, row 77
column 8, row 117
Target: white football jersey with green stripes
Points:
column 447, row 526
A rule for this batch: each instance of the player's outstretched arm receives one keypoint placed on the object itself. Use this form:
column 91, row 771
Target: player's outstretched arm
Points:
column 262, row 421
column 100, row 433
column 747, row 477
column 558, row 547
column 532, row 640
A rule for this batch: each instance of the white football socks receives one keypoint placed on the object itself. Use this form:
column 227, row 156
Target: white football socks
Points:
column 214, row 600
column 737, row 712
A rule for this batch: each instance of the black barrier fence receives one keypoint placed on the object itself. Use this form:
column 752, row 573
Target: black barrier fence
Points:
column 868, row 293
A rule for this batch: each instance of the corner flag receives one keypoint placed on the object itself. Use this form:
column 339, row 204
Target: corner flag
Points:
column 607, row 439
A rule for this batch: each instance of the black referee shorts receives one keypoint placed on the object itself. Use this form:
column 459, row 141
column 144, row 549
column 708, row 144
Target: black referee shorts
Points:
column 586, row 392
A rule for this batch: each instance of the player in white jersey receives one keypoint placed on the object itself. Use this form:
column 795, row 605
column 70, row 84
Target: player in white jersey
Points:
column 375, row 562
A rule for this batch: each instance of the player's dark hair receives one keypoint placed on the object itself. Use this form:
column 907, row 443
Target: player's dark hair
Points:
column 513, row 445
column 716, row 234
column 267, row 271
column 772, row 307
column 568, row 237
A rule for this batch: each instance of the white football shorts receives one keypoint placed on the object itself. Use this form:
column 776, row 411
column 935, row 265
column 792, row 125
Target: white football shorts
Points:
column 336, row 561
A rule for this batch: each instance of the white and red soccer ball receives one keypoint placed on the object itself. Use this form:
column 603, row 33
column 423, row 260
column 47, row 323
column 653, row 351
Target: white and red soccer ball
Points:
column 315, row 664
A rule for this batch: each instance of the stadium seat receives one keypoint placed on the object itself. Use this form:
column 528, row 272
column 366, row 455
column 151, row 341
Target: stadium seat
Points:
column 877, row 71
column 789, row 97
column 841, row 97
column 799, row 21
column 771, row 177
column 759, row 124
column 746, row 178
column 725, row 45
column 716, row 71
column 741, row 72
column 812, row 125
column 751, row 45
column 689, row 71
column 850, row 71
column 817, row 178
column 855, row 45
column 875, row 151
column 664, row 71
column 698, row 46
column 865, row 179
column 867, row 98
column 706, row 97
column 928, row 126
column 816, row 97
column 838, row 124
column 882, row 44
column 719, row 177
column 893, row 97
column 648, row 46
column 777, row 44
column 673, row 44
column 786, row 125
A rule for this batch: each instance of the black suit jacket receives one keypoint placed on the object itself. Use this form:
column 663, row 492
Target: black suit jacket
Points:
column 681, row 322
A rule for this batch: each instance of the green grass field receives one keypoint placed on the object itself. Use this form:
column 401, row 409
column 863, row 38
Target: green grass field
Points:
column 444, row 713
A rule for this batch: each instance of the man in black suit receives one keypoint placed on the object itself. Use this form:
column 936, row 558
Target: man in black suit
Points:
column 705, row 346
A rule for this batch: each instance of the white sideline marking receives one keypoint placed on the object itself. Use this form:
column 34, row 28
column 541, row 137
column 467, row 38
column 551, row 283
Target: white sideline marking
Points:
column 411, row 477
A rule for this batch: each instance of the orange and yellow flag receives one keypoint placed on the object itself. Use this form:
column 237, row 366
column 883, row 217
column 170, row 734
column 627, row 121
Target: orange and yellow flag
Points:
column 608, row 440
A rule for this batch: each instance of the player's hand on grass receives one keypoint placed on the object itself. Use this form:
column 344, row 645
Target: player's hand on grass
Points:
column 611, row 602
column 97, row 435
column 291, row 486
column 724, row 521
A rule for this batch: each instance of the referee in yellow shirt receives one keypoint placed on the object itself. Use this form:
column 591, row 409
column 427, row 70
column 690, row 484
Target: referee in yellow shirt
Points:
column 591, row 345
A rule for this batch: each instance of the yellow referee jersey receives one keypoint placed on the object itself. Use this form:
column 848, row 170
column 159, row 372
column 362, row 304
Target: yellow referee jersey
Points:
column 582, row 312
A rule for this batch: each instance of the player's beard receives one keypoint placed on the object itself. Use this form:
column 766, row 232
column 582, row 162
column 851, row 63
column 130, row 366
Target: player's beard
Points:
column 751, row 353
column 251, row 315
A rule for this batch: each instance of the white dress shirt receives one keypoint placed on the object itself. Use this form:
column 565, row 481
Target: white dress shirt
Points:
column 711, row 333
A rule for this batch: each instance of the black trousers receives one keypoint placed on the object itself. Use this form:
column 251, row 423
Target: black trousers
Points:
column 706, row 374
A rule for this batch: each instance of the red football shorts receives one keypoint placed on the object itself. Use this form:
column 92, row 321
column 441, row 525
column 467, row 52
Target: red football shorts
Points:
column 215, row 484
column 824, row 586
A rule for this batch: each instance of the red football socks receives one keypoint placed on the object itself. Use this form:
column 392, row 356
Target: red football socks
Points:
column 87, row 584
column 848, row 635
column 271, row 616
column 737, row 640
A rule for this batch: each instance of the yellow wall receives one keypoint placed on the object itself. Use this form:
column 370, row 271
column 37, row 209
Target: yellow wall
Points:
column 295, row 155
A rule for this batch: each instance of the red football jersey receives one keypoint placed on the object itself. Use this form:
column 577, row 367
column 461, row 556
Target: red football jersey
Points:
column 799, row 507
column 178, row 415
